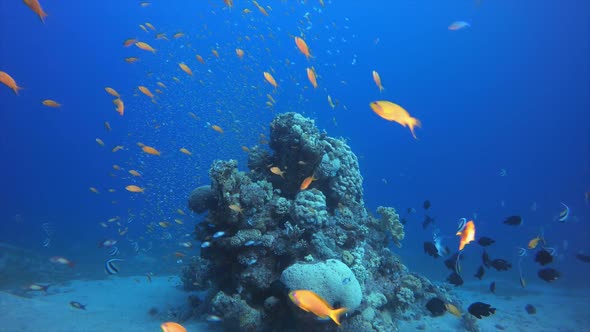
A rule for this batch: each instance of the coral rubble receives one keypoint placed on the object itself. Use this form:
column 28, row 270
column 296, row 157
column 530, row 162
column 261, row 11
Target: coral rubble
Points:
column 276, row 238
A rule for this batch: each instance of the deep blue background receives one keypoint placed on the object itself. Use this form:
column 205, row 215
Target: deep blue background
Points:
column 512, row 91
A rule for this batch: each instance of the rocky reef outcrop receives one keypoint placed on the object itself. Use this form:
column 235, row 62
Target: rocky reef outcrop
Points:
column 265, row 234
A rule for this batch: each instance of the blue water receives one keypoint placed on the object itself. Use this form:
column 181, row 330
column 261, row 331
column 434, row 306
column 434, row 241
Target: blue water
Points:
column 512, row 91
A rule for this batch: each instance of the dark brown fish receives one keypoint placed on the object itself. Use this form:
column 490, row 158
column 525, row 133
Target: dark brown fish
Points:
column 480, row 309
column 513, row 221
column 493, row 287
column 480, row 272
column 549, row 274
column 530, row 309
column 455, row 279
column 543, row 257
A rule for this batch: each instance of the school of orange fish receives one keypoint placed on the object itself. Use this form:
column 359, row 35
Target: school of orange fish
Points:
column 198, row 70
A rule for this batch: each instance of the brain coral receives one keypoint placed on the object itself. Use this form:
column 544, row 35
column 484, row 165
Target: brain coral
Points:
column 332, row 280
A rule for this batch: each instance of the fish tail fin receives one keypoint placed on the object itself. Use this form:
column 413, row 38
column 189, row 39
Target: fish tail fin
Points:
column 17, row 89
column 413, row 122
column 335, row 314
column 42, row 16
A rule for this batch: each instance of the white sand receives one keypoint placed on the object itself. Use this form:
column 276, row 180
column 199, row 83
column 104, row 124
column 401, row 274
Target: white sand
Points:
column 558, row 310
column 122, row 304
column 117, row 304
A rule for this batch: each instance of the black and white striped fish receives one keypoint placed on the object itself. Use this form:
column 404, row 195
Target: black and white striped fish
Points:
column 114, row 251
column 110, row 267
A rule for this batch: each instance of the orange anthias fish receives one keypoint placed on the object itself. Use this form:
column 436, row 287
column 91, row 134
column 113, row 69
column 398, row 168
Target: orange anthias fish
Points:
column 217, row 129
column 308, row 180
column 120, row 106
column 268, row 77
column 134, row 172
column 185, row 151
column 150, row 150
column 393, row 112
column 312, row 302
column 134, row 189
column 377, row 80
column 145, row 47
column 302, row 46
column 129, row 42
column 185, row 68
column 112, row 92
column 239, row 52
column 36, row 7
column 9, row 82
column 145, row 91
column 312, row 78
column 172, row 327
column 467, row 234
column 51, row 103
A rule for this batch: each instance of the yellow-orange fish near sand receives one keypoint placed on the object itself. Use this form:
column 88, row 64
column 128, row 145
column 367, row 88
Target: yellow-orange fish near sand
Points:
column 312, row 78
column 185, row 68
column 9, row 82
column 377, row 80
column 393, row 112
column 36, row 7
column 268, row 77
column 302, row 46
column 312, row 302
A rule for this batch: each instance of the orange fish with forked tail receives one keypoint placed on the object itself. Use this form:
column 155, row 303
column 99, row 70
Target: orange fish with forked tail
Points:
column 377, row 80
column 36, row 7
column 312, row 302
column 393, row 112
column 467, row 234
column 302, row 46
column 9, row 82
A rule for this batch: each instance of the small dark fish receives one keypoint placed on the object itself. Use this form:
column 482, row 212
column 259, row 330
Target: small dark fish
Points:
column 427, row 221
column 493, row 287
column 78, row 305
column 543, row 257
column 513, row 221
column 430, row 249
column 479, row 273
column 485, row 241
column 403, row 220
column 411, row 210
column 480, row 309
column 455, row 279
column 451, row 262
column 426, row 205
column 583, row 258
column 530, row 309
column 501, row 265
column 487, row 262
column 436, row 306
column 549, row 274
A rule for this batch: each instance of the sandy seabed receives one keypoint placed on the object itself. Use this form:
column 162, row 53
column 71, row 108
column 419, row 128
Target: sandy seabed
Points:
column 122, row 304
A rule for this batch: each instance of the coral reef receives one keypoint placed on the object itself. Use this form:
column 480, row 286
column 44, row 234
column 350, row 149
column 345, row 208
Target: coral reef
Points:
column 263, row 236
